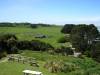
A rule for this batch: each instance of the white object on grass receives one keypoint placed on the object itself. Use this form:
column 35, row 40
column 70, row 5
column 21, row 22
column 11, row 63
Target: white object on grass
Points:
column 29, row 72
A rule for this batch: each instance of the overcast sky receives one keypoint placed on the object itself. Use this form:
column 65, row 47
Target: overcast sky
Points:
column 50, row 11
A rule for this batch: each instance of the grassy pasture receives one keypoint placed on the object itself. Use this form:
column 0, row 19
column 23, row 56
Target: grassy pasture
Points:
column 27, row 33
column 86, row 65
column 15, row 68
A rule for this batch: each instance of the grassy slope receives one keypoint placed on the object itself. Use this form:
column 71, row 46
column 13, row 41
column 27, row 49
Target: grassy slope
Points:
column 23, row 33
column 14, row 68
column 26, row 33
column 85, row 65
column 10, row 68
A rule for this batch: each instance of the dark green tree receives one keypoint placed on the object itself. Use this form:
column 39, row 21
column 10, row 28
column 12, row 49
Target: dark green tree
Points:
column 95, row 53
column 82, row 36
column 67, row 28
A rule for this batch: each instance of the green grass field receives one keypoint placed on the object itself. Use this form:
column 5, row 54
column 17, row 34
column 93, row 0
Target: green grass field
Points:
column 27, row 33
column 15, row 68
column 86, row 66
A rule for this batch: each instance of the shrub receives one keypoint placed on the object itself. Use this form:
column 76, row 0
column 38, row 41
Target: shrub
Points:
column 64, row 50
column 34, row 45
column 64, row 39
column 55, row 66
column 11, row 46
column 2, row 54
column 33, row 25
column 68, row 67
column 8, row 43
column 40, row 46
column 22, row 45
column 7, row 36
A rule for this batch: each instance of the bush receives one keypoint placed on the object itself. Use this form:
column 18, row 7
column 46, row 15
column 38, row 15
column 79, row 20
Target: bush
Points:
column 8, row 43
column 33, row 26
column 7, row 36
column 2, row 54
column 11, row 46
column 55, row 66
column 40, row 46
column 62, row 40
column 34, row 45
column 64, row 50
column 68, row 67
column 22, row 45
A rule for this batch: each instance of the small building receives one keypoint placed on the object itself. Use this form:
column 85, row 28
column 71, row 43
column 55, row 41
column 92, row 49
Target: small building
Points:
column 29, row 72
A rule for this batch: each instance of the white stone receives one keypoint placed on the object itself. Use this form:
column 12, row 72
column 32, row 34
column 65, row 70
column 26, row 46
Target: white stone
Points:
column 27, row 72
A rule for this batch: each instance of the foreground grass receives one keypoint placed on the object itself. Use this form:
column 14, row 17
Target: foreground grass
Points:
column 86, row 66
column 14, row 68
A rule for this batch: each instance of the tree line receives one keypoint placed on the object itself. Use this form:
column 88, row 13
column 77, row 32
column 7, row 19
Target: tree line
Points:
column 8, row 24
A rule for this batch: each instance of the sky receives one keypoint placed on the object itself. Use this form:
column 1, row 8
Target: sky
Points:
column 51, row 11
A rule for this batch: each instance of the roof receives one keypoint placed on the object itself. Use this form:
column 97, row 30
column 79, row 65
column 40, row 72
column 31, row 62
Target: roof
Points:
column 32, row 72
